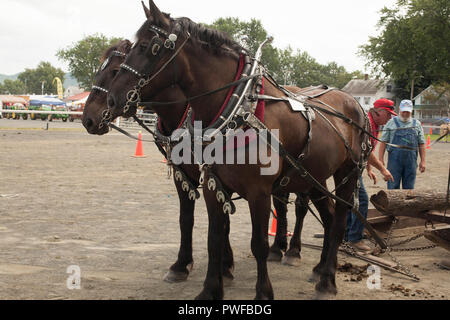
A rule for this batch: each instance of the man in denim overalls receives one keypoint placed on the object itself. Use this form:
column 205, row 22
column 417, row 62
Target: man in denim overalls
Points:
column 402, row 163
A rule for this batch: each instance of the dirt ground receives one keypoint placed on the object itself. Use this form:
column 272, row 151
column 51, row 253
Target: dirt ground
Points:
column 69, row 198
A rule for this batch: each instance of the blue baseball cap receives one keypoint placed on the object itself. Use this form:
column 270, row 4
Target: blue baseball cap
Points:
column 406, row 106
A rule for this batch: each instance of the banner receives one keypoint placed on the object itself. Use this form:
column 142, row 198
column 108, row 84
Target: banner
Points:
column 58, row 87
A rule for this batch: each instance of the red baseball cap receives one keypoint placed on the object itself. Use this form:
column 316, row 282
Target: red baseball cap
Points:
column 385, row 104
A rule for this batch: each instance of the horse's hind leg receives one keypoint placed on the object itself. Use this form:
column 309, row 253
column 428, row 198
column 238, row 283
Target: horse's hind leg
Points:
column 280, row 242
column 327, row 283
column 293, row 256
column 325, row 206
column 180, row 270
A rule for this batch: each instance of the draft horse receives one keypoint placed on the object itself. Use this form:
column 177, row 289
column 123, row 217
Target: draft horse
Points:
column 96, row 121
column 199, row 61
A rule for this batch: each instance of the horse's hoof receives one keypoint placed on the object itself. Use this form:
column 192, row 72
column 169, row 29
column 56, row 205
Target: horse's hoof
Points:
column 325, row 287
column 324, row 296
column 207, row 295
column 261, row 296
column 227, row 277
column 293, row 261
column 178, row 276
column 174, row 277
column 227, row 280
column 314, row 278
column 275, row 256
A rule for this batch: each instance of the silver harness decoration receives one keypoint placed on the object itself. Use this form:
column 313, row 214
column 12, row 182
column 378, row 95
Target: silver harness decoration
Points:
column 107, row 114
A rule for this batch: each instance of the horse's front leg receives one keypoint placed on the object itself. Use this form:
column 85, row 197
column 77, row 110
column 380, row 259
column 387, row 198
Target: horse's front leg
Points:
column 213, row 284
column 327, row 284
column 260, row 213
column 325, row 206
column 180, row 270
column 228, row 260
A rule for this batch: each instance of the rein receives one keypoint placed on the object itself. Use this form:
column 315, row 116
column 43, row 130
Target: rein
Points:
column 230, row 85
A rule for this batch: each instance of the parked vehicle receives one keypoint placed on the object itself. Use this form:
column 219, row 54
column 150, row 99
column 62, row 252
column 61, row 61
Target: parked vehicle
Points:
column 76, row 108
column 47, row 103
column 10, row 102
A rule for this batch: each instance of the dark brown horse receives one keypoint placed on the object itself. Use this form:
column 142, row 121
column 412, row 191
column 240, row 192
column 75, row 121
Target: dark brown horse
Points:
column 201, row 60
column 94, row 121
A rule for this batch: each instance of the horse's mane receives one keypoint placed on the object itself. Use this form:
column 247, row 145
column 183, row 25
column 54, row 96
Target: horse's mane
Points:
column 122, row 46
column 210, row 39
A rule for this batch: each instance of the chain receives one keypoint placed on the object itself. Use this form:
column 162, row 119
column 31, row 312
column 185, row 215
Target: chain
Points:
column 106, row 118
column 400, row 266
column 418, row 236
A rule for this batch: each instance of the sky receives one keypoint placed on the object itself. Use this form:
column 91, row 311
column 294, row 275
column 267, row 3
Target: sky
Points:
column 32, row 31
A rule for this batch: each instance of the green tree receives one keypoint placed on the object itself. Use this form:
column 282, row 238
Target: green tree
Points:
column 413, row 47
column 299, row 69
column 40, row 80
column 250, row 35
column 12, row 87
column 83, row 57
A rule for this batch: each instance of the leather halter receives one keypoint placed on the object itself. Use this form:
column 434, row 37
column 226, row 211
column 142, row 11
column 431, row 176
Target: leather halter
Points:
column 156, row 46
column 105, row 64
column 107, row 114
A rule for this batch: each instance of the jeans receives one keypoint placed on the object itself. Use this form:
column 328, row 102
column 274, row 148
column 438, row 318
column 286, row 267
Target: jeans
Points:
column 403, row 163
column 355, row 228
column 403, row 167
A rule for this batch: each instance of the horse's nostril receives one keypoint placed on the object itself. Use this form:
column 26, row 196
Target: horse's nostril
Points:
column 89, row 123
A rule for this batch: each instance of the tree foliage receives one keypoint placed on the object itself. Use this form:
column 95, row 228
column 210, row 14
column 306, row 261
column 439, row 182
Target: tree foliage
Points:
column 287, row 67
column 414, row 44
column 34, row 80
column 84, row 56
column 12, row 87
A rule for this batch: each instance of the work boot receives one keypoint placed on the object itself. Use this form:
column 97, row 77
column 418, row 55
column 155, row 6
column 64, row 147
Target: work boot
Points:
column 361, row 246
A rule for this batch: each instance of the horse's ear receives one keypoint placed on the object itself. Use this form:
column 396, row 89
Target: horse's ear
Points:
column 146, row 10
column 157, row 15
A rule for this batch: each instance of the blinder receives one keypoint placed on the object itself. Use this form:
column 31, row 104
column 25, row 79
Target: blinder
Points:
column 155, row 46
column 154, row 52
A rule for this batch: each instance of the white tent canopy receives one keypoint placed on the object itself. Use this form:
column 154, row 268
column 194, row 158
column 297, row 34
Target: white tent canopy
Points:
column 77, row 102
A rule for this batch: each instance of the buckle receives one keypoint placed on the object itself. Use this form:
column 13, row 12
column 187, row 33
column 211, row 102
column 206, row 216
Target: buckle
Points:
column 285, row 181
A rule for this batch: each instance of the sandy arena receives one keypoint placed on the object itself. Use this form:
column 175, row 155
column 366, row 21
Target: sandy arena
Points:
column 69, row 198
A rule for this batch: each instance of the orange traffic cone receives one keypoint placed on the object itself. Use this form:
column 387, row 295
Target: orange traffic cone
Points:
column 273, row 228
column 428, row 142
column 431, row 131
column 139, row 149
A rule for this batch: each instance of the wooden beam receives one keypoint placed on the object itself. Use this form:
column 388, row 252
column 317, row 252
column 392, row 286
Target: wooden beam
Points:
column 410, row 203
column 440, row 236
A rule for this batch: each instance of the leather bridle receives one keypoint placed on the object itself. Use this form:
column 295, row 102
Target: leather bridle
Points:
column 105, row 64
column 106, row 114
column 156, row 48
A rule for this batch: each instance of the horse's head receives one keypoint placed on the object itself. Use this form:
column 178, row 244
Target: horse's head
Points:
column 153, row 64
column 96, row 115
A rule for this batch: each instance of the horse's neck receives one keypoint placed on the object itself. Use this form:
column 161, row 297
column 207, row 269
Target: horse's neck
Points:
column 171, row 116
column 209, row 72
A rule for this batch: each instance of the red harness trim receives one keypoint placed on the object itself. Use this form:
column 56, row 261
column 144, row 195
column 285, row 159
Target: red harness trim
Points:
column 230, row 92
column 181, row 122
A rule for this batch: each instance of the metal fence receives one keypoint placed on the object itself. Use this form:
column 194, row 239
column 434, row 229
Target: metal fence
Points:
column 148, row 118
